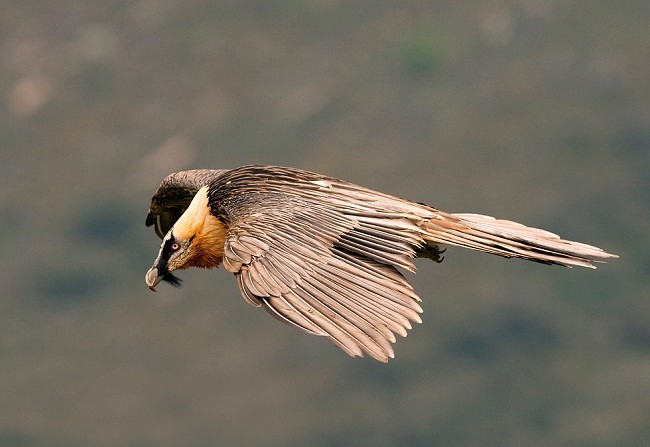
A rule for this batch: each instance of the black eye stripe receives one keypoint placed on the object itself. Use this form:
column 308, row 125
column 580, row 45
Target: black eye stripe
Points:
column 169, row 247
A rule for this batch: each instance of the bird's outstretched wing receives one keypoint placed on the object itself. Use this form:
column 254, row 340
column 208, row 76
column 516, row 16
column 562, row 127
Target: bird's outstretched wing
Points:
column 174, row 195
column 326, row 267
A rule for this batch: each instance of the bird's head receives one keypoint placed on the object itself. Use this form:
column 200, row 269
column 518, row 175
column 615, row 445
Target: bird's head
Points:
column 195, row 240
column 173, row 255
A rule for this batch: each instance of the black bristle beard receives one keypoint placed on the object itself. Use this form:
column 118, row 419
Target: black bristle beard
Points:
column 172, row 279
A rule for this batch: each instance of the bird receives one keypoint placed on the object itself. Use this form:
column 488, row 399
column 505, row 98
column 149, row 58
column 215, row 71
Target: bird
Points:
column 325, row 255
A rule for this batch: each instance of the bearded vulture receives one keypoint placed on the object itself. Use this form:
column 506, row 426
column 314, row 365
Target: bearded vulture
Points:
column 325, row 255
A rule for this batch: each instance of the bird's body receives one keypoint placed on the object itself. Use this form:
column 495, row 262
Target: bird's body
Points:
column 323, row 254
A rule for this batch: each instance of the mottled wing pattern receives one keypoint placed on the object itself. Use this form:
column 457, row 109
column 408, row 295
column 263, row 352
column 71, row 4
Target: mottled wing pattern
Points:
column 319, row 257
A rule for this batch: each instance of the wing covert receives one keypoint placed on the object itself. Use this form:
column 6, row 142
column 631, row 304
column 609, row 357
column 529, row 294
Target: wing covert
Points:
column 312, row 265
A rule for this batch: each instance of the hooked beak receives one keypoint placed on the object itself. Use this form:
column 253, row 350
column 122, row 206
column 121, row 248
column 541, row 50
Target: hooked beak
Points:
column 157, row 274
column 153, row 278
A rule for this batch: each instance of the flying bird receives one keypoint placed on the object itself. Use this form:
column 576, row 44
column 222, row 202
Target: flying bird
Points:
column 325, row 255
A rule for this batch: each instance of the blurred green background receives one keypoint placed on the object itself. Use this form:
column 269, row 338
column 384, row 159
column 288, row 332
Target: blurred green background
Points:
column 533, row 110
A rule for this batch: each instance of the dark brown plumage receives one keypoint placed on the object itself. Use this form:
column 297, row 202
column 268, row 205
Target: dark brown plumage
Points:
column 323, row 254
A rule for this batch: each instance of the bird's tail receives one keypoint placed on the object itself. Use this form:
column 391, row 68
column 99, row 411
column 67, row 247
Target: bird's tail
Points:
column 511, row 240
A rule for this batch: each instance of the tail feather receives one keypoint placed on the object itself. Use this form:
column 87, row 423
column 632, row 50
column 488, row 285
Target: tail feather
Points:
column 511, row 240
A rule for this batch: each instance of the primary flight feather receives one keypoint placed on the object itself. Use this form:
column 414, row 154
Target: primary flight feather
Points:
column 323, row 254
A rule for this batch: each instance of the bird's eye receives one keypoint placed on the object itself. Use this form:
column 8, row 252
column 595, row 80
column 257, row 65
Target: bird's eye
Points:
column 175, row 246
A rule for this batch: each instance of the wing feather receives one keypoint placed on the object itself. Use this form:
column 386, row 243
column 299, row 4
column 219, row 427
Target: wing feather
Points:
column 315, row 266
column 336, row 334
column 387, row 316
column 281, row 309
column 361, row 332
